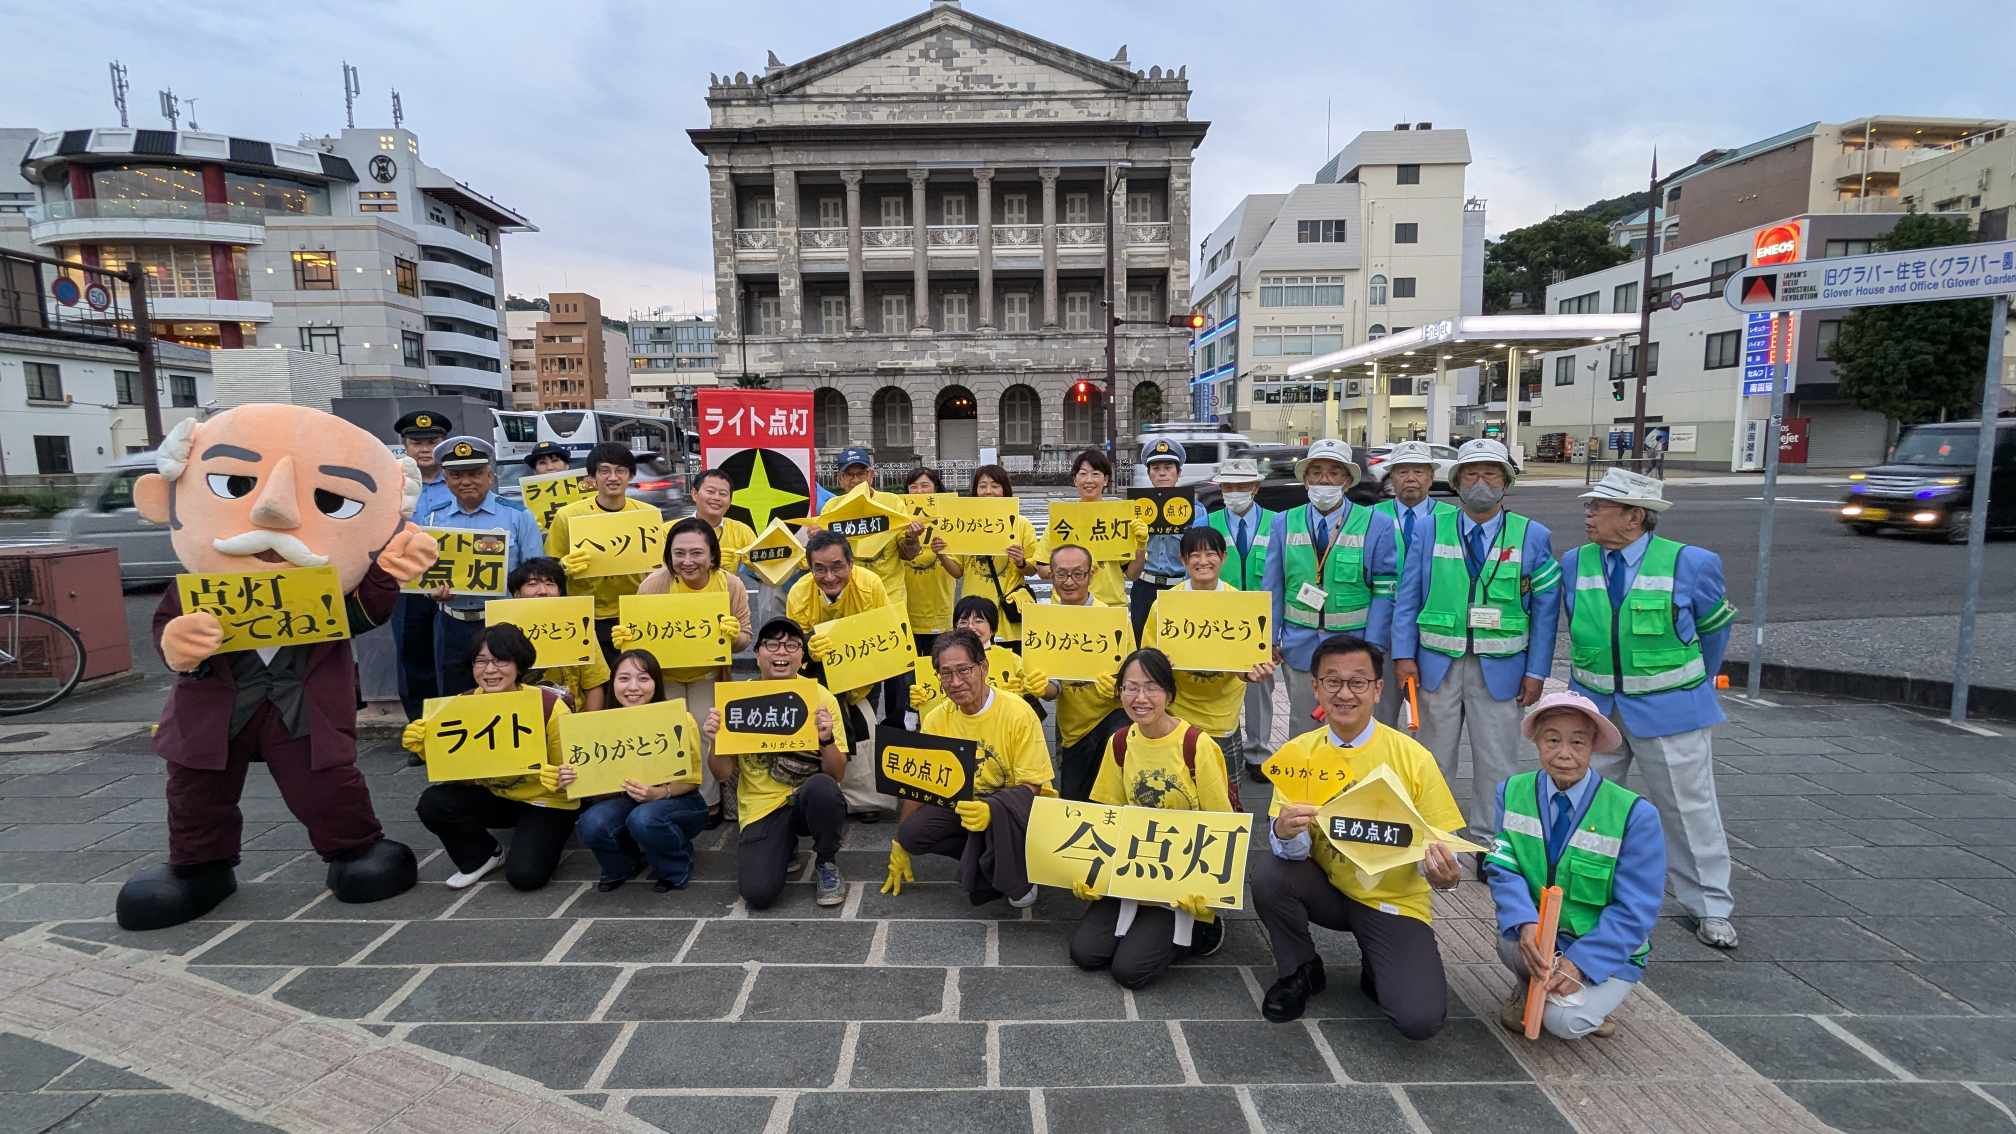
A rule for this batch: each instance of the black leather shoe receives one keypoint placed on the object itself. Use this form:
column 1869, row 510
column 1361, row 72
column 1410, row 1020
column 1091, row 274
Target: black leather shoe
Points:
column 1289, row 996
column 382, row 870
column 161, row 896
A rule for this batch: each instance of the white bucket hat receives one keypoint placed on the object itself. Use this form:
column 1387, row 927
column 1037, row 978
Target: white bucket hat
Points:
column 1484, row 451
column 1623, row 486
column 1331, row 449
column 1411, row 453
column 1238, row 470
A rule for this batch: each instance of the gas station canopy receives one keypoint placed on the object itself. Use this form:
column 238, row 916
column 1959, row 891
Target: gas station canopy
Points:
column 1470, row 340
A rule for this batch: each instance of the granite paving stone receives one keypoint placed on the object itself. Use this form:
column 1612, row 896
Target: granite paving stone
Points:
column 1812, row 939
column 1789, row 1047
column 826, row 942
column 1793, row 863
column 920, row 1055
column 449, row 941
column 272, row 901
column 1035, row 942
column 1741, row 987
column 1143, row 1110
column 728, row 1055
column 1331, row 1110
column 1194, row 992
column 481, row 993
column 1989, row 986
column 933, row 900
column 1918, row 862
column 631, row 939
column 561, row 1056
column 1877, row 989
column 1253, row 1051
column 424, row 902
column 913, row 1112
column 819, row 992
column 56, row 836
column 91, row 1075
column 1773, row 897
column 489, row 900
column 704, row 1114
column 177, row 940
column 244, row 978
column 28, row 1065
column 1487, row 1108
column 1967, row 1048
column 1035, row 994
column 294, row 943
column 950, row 943
column 1898, row 1108
column 152, row 1112
column 53, row 900
column 1088, row 1054
column 342, row 993
column 1463, row 1051
column 678, row 992
column 1965, row 939
column 638, row 899
column 1907, row 897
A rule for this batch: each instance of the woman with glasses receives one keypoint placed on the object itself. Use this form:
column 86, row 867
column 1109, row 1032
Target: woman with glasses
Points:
column 1091, row 474
column 1210, row 700
column 1012, row 768
column 643, row 823
column 785, row 796
column 1158, row 760
column 462, row 814
column 1001, row 579
column 693, row 566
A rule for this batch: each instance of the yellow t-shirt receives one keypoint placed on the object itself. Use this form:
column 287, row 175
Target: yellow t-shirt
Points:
column 528, row 789
column 1010, row 737
column 930, row 594
column 574, row 680
column 808, row 606
column 1401, row 890
column 979, row 580
column 606, row 589
column 757, row 793
column 1003, row 665
column 735, row 537
column 1079, row 705
column 1211, row 701
column 1155, row 775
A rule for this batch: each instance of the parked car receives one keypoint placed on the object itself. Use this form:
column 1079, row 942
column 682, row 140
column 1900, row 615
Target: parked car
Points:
column 1204, row 444
column 657, row 483
column 1279, row 490
column 106, row 517
column 1376, row 468
column 1927, row 484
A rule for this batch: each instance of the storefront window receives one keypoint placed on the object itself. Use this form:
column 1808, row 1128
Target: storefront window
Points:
column 147, row 183
column 276, row 194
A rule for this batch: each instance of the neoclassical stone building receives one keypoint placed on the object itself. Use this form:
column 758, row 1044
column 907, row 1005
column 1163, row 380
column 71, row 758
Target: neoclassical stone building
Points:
column 911, row 226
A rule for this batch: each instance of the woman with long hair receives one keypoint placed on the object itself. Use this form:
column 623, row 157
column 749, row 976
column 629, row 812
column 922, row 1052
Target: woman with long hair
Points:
column 644, row 823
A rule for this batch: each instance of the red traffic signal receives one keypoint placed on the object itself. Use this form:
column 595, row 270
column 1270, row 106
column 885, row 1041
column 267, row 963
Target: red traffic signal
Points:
column 1194, row 321
column 1080, row 391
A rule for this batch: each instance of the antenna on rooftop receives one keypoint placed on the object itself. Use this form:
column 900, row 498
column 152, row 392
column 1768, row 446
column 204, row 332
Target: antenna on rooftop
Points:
column 398, row 111
column 119, row 86
column 350, row 92
column 191, row 104
column 171, row 107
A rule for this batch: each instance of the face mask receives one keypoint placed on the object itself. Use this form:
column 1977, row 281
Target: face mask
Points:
column 1478, row 496
column 1239, row 502
column 1326, row 497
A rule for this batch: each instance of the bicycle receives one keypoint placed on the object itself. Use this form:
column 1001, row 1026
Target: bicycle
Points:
column 41, row 658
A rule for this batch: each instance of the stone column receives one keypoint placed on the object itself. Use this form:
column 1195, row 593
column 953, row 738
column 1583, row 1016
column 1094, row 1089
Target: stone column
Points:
column 857, row 300
column 1179, row 235
column 1116, row 231
column 790, row 283
column 984, row 201
column 727, row 296
column 920, row 254
column 1049, row 176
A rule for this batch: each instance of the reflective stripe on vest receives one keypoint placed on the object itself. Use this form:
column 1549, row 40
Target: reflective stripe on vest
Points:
column 1444, row 621
column 1254, row 567
column 1647, row 641
column 1588, row 864
column 1348, row 601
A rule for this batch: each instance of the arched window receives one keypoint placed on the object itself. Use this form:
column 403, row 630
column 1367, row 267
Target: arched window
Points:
column 829, row 418
column 1021, row 410
column 1147, row 405
column 1084, row 415
column 1375, row 331
column 1378, row 289
column 893, row 428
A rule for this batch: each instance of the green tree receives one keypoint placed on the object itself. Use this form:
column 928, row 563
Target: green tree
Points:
column 752, row 381
column 1527, row 259
column 1914, row 362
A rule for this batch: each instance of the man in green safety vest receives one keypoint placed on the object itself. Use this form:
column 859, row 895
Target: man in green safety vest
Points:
column 1252, row 535
column 1410, row 473
column 1648, row 621
column 1567, row 826
column 1473, row 623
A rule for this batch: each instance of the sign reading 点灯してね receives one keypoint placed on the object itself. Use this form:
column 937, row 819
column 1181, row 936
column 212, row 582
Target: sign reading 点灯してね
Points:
column 269, row 608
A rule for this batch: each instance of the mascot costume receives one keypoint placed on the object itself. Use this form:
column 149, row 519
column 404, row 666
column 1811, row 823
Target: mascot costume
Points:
column 264, row 488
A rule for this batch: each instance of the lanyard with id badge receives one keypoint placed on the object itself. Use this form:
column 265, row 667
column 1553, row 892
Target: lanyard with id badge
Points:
column 1309, row 594
column 1482, row 616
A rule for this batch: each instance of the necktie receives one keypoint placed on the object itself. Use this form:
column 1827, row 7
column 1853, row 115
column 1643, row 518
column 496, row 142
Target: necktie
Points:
column 1477, row 549
column 1245, row 537
column 1322, row 534
column 1614, row 578
column 1559, row 829
column 1407, row 529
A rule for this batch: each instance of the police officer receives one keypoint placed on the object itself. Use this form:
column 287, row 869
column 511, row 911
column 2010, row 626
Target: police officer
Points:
column 1252, row 535
column 467, row 467
column 1473, row 623
column 413, row 618
column 1410, row 473
column 1648, row 619
column 1335, row 573
column 1162, row 566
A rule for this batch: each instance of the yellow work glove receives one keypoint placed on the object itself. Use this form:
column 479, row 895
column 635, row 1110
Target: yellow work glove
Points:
column 1197, row 906
column 821, row 646
column 574, row 563
column 731, row 626
column 414, row 738
column 1103, row 686
column 1084, row 893
column 974, row 814
column 1007, row 682
column 1140, row 534
column 899, row 869
column 622, row 635
column 549, row 777
column 1035, row 682
column 919, row 697
column 731, row 561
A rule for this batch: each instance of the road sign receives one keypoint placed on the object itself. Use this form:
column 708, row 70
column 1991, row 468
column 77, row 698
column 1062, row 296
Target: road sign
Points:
column 1675, row 301
column 98, row 296
column 65, row 290
column 1918, row 275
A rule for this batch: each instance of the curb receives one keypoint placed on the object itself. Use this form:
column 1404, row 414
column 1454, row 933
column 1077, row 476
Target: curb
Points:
column 1891, row 689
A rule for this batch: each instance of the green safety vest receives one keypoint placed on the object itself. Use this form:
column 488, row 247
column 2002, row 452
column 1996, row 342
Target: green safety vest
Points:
column 1645, row 642
column 1348, row 592
column 1444, row 621
column 1588, row 864
column 1391, row 510
column 1253, row 568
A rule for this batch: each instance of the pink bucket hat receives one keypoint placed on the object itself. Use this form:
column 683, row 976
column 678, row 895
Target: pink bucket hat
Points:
column 1608, row 739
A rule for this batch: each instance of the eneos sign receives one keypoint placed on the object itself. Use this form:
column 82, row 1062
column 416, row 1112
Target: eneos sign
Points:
column 1778, row 244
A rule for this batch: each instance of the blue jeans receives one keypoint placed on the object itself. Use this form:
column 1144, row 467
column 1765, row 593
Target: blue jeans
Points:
column 617, row 827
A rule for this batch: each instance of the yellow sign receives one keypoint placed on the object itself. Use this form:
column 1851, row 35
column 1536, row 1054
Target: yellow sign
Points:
column 652, row 744
column 630, row 542
column 1166, row 511
column 867, row 647
column 1374, row 825
column 270, row 608
column 926, row 768
column 471, row 563
column 547, row 493
column 926, row 506
column 861, row 517
column 775, row 554
column 561, row 629
column 1222, row 631
column 767, row 716
column 1103, row 527
column 976, row 525
column 1004, row 671
column 1308, row 776
column 682, row 631
column 485, row 736
column 1075, row 643
column 1150, row 854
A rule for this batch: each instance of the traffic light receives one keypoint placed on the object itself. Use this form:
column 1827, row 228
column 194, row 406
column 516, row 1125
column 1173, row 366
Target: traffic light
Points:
column 1194, row 321
column 1617, row 389
column 1081, row 391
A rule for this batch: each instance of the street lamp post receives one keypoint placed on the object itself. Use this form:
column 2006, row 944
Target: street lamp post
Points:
column 1112, row 315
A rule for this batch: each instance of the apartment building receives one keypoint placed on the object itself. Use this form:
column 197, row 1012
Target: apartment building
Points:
column 671, row 355
column 1383, row 238
column 1977, row 179
column 75, row 406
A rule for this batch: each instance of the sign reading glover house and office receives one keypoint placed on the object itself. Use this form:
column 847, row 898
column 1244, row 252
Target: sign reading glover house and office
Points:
column 1957, row 271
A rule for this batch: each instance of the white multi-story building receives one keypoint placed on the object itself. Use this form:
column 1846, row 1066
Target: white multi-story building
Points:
column 1384, row 238
column 75, row 406
column 348, row 245
column 670, row 356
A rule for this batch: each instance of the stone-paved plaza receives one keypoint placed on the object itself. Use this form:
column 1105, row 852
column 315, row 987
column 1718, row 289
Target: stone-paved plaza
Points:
column 1874, row 989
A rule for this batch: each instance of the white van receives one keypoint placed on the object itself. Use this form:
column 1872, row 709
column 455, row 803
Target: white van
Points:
column 1205, row 443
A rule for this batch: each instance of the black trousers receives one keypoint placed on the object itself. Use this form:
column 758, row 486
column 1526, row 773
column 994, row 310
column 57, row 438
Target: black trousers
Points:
column 413, row 646
column 992, row 862
column 1146, row 952
column 763, row 854
column 1398, row 952
column 1140, row 600
column 1078, row 763
column 462, row 815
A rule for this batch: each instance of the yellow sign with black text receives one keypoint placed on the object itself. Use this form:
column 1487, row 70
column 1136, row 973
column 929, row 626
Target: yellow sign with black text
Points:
column 471, row 563
column 630, row 542
column 561, row 628
column 485, row 736
column 682, row 631
column 1150, row 854
column 767, row 716
column 976, row 525
column 1075, row 643
column 866, row 648
column 269, row 608
column 1222, row 631
column 547, row 493
column 652, row 744
column 1103, row 527
column 776, row 554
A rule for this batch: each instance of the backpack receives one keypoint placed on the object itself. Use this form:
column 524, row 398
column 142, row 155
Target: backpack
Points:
column 1191, row 733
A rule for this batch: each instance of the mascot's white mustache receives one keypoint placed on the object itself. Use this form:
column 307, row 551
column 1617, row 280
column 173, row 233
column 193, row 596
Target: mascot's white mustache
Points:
column 261, row 539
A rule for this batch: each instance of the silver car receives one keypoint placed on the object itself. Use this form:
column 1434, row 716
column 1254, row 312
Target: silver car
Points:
column 106, row 517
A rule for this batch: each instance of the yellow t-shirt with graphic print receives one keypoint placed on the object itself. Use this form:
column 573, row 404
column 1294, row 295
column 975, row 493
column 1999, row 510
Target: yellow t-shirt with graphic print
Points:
column 757, row 792
column 1010, row 737
column 1156, row 776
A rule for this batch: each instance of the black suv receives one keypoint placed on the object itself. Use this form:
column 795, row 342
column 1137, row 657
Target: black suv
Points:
column 1927, row 485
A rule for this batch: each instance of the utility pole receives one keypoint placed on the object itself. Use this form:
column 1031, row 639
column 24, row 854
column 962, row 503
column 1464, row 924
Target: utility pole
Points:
column 1112, row 325
column 1644, row 360
column 143, row 340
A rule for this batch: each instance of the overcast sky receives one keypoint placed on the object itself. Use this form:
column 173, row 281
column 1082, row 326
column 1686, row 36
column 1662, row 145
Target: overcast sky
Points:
column 576, row 114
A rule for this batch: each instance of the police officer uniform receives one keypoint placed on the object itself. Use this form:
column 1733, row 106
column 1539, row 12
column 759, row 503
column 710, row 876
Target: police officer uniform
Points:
column 413, row 616
column 1163, row 566
column 458, row 619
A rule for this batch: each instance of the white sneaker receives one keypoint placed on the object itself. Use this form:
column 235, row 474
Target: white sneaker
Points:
column 1026, row 900
column 463, row 879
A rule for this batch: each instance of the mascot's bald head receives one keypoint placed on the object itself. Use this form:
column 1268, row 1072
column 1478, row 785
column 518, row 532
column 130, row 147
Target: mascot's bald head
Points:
column 269, row 487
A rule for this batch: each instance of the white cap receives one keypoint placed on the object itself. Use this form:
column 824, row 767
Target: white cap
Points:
column 1411, row 453
column 1238, row 470
column 1483, row 451
column 1626, row 487
column 1331, row 449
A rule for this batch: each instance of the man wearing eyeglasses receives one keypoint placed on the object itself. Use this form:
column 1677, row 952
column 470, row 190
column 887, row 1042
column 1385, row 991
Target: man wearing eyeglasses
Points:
column 1305, row 881
column 1088, row 712
column 835, row 586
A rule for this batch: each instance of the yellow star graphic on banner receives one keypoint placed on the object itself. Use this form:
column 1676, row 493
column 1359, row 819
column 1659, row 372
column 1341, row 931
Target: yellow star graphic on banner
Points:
column 760, row 498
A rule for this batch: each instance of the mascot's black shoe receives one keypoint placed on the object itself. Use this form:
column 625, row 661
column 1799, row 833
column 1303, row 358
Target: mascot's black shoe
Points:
column 382, row 870
column 161, row 896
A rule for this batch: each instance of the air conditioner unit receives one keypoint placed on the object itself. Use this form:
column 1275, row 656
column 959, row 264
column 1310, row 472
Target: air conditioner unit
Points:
column 1423, row 385
column 1354, row 388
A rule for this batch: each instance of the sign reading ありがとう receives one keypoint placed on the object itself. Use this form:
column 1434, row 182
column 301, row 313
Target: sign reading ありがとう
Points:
column 1075, row 643
column 867, row 647
column 1223, row 631
column 561, row 628
column 652, row 744
column 683, row 631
